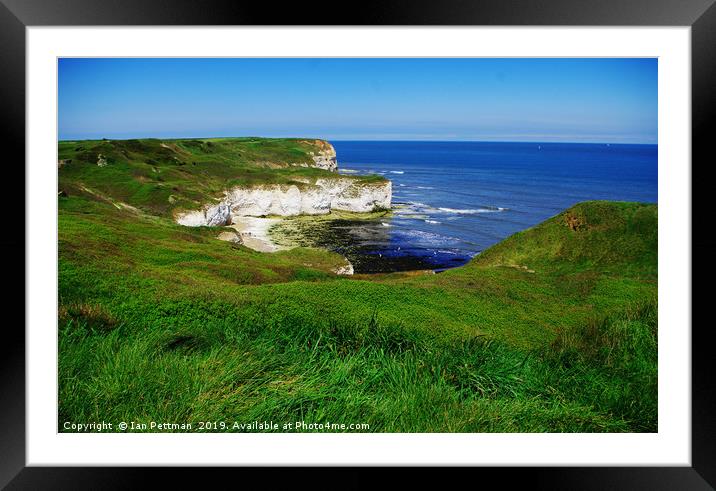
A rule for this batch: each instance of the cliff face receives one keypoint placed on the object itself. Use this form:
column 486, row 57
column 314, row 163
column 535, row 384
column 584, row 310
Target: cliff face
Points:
column 319, row 198
column 325, row 156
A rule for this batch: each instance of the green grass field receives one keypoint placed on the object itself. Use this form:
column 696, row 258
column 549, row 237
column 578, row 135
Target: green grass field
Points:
column 552, row 330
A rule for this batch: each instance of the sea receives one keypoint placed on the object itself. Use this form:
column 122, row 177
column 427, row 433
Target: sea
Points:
column 452, row 200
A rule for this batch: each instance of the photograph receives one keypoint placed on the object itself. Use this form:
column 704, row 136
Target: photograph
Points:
column 357, row 244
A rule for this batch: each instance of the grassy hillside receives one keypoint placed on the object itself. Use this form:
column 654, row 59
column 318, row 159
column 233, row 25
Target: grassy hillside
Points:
column 553, row 329
column 600, row 235
column 159, row 175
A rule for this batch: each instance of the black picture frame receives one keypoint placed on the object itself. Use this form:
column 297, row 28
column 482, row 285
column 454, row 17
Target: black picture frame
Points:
column 16, row 15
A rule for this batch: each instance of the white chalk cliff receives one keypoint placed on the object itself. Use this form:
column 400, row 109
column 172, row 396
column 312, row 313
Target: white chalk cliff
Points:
column 305, row 198
column 288, row 200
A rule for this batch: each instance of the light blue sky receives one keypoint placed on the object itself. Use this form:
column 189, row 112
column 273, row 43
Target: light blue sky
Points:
column 575, row 100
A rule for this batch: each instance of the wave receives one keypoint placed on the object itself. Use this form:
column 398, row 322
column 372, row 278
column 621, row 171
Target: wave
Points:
column 425, row 238
column 432, row 222
column 445, row 251
column 397, row 172
column 417, row 208
column 421, row 234
column 472, row 211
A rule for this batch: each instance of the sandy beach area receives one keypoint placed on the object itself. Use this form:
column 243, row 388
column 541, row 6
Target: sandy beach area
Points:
column 254, row 233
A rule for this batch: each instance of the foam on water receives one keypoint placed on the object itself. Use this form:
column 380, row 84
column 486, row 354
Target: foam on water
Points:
column 495, row 209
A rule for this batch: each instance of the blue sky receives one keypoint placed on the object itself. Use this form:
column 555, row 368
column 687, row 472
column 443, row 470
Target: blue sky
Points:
column 468, row 99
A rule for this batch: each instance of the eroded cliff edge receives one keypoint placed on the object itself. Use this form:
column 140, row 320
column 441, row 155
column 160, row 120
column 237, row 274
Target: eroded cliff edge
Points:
column 303, row 195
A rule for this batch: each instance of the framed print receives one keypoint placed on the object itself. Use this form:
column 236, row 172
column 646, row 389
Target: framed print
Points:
column 421, row 237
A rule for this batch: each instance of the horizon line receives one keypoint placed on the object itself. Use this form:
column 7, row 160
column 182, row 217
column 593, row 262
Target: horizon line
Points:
column 573, row 142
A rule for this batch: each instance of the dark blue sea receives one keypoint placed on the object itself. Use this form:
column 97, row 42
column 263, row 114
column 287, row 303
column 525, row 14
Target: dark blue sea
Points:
column 454, row 199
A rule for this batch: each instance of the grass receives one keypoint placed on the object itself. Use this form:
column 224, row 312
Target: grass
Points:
column 245, row 368
column 604, row 235
column 552, row 330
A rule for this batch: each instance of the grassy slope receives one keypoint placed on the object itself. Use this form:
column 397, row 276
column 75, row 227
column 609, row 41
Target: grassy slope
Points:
column 161, row 322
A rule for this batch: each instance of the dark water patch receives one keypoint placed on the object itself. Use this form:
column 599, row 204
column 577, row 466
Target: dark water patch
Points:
column 373, row 246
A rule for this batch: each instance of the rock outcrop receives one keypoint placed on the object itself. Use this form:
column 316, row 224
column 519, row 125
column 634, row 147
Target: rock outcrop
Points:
column 346, row 269
column 220, row 215
column 213, row 215
column 325, row 157
column 319, row 198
